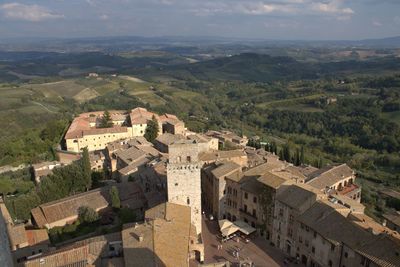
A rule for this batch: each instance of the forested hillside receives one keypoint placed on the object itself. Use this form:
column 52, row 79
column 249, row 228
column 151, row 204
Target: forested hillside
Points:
column 337, row 111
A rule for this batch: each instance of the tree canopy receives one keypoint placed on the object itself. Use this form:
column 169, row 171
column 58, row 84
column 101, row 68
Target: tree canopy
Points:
column 87, row 214
column 106, row 121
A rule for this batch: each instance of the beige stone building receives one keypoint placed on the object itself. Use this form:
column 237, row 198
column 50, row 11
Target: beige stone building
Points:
column 214, row 187
column 328, row 237
column 164, row 140
column 289, row 205
column 84, row 131
column 206, row 143
column 24, row 242
column 336, row 179
column 228, row 137
column 166, row 238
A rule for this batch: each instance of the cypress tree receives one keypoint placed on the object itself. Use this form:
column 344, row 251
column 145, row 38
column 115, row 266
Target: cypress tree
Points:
column 86, row 170
column 115, row 200
column 151, row 130
column 106, row 121
column 281, row 155
column 286, row 153
column 297, row 157
column 302, row 155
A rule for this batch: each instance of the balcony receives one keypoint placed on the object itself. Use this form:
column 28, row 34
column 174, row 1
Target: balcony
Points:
column 349, row 188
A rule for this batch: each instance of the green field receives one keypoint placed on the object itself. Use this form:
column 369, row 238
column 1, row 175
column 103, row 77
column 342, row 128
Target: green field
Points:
column 392, row 116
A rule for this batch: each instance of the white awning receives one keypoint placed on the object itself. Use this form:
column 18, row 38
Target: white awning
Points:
column 244, row 227
column 228, row 228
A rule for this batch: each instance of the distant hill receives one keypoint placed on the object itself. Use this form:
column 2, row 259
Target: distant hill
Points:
column 172, row 43
column 253, row 67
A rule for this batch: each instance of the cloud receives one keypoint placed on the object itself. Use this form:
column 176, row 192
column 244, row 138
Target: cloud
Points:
column 332, row 7
column 262, row 8
column 34, row 13
column 104, row 17
column 377, row 23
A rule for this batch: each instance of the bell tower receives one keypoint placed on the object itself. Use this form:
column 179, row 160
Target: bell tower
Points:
column 184, row 178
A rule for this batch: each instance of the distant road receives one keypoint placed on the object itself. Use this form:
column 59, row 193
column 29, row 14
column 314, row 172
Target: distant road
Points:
column 131, row 78
column 43, row 106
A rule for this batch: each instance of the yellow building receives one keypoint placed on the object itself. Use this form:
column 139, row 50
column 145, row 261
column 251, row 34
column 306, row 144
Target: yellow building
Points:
column 84, row 131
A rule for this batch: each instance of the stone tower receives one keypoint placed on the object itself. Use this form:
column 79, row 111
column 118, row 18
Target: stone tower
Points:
column 184, row 178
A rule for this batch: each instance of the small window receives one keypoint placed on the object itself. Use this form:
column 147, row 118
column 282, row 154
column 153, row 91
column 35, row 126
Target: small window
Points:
column 255, row 199
column 246, row 195
column 346, row 255
column 176, row 184
column 188, row 201
column 313, row 250
column 188, row 159
column 330, row 263
column 332, row 247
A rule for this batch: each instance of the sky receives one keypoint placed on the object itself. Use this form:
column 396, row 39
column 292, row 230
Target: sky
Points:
column 261, row 19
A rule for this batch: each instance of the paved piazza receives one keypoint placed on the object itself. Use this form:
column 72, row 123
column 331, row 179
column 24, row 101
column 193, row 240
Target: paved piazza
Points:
column 257, row 250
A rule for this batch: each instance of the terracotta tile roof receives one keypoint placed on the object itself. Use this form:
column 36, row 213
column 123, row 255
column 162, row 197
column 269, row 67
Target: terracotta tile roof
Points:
column 380, row 249
column 366, row 222
column 306, row 170
column 200, row 138
column 80, row 126
column 133, row 166
column 171, row 119
column 219, row 155
column 130, row 155
column 168, row 138
column 296, row 196
column 72, row 257
column 393, row 217
column 236, row 176
column 17, row 235
column 68, row 207
column 271, row 180
column 141, row 116
column 330, row 175
column 37, row 236
column 225, row 169
column 97, row 131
